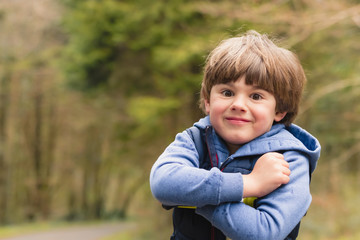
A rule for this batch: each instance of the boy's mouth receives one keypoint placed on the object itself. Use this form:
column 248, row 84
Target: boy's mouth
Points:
column 237, row 120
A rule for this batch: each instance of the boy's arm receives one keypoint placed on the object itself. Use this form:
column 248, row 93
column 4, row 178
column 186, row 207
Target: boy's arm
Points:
column 176, row 178
column 275, row 215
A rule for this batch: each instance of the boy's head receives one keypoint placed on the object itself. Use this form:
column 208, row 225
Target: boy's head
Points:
column 263, row 64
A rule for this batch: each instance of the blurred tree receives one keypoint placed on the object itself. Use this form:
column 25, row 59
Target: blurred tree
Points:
column 28, row 115
column 7, row 60
column 4, row 98
column 136, row 68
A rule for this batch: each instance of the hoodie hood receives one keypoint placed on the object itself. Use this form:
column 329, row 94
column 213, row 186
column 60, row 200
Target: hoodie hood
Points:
column 279, row 138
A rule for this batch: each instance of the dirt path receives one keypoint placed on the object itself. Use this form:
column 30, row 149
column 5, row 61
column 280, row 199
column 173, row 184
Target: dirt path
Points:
column 94, row 232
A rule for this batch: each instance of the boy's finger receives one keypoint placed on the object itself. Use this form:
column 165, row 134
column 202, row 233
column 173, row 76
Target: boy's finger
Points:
column 286, row 180
column 285, row 164
column 277, row 155
column 287, row 171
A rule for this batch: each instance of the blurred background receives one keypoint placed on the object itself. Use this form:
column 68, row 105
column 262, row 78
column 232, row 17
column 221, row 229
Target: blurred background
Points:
column 91, row 92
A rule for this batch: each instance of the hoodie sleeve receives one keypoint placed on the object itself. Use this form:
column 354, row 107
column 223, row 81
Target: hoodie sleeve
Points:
column 176, row 178
column 276, row 214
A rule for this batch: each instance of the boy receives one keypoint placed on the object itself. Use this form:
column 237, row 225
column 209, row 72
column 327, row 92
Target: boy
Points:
column 250, row 92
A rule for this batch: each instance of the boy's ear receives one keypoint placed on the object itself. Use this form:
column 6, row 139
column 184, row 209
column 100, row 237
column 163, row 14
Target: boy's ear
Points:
column 279, row 116
column 207, row 106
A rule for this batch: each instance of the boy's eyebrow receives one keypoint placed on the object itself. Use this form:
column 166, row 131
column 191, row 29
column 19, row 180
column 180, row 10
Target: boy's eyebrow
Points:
column 228, row 84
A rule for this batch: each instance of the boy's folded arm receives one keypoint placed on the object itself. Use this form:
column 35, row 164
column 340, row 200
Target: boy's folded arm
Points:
column 176, row 178
column 276, row 214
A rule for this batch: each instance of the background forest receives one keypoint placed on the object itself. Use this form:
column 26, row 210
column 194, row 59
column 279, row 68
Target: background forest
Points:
column 92, row 91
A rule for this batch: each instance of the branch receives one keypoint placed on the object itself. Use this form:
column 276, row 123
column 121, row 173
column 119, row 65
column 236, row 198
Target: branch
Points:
column 321, row 22
column 331, row 88
column 345, row 156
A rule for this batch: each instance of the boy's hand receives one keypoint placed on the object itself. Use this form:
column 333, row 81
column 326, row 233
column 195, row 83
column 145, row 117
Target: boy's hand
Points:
column 269, row 173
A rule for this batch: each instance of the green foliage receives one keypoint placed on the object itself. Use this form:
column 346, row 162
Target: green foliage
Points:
column 91, row 49
column 102, row 32
column 146, row 112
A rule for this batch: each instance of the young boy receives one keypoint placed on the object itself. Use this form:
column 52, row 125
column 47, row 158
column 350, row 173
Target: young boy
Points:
column 250, row 92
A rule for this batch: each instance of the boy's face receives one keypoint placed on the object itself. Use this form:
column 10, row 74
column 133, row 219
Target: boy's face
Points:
column 239, row 113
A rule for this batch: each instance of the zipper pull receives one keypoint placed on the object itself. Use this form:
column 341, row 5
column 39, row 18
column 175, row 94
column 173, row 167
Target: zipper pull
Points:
column 225, row 163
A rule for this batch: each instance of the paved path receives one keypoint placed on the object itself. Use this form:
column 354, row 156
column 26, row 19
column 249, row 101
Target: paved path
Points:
column 94, row 232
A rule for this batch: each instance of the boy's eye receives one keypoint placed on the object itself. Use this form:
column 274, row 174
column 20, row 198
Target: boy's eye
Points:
column 256, row 96
column 227, row 93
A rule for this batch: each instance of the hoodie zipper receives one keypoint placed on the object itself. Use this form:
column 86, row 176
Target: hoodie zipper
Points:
column 225, row 163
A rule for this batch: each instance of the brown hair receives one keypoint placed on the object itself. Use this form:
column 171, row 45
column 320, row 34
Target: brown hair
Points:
column 263, row 64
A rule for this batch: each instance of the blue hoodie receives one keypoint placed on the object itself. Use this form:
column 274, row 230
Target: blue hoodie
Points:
column 176, row 179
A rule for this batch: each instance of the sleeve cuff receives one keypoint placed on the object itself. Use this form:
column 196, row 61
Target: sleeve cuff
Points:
column 231, row 189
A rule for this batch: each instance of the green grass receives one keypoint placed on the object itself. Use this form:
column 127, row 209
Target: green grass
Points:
column 120, row 236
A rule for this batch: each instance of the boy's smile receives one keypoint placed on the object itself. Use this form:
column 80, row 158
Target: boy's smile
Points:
column 240, row 113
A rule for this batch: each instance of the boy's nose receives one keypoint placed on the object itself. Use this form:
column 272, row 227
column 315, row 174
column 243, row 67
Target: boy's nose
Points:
column 239, row 104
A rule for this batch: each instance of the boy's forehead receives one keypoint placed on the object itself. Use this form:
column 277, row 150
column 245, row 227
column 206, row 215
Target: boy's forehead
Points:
column 249, row 84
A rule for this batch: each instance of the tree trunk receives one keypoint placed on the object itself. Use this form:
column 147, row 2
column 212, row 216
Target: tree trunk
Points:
column 4, row 89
